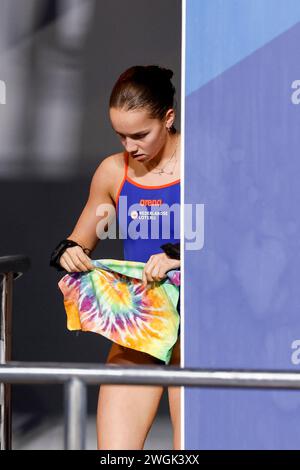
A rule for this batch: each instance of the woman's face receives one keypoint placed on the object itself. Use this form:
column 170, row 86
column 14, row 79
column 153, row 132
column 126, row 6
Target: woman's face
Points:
column 141, row 136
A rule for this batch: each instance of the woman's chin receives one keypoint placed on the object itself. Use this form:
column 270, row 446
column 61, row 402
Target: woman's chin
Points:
column 140, row 158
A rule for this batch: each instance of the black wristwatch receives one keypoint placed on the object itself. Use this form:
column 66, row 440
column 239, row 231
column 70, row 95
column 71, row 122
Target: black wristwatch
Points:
column 172, row 250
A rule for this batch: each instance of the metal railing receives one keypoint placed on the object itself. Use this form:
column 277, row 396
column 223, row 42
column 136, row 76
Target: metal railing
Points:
column 11, row 268
column 76, row 377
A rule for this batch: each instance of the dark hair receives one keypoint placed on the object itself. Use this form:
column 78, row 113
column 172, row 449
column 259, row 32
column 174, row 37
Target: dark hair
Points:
column 145, row 86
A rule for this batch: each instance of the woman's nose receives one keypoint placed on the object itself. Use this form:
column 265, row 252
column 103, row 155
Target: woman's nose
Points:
column 130, row 146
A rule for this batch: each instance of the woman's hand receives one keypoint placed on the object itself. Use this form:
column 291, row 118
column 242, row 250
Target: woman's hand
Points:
column 157, row 266
column 74, row 259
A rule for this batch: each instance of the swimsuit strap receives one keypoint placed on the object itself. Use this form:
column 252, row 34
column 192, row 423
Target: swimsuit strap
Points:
column 126, row 164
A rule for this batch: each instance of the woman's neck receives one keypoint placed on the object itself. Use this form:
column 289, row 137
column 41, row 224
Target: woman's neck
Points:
column 170, row 150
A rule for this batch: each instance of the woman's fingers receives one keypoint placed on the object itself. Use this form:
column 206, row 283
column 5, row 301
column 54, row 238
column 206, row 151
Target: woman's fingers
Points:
column 147, row 276
column 71, row 261
column 85, row 260
column 67, row 263
column 144, row 279
column 75, row 260
column 153, row 271
column 153, row 274
column 64, row 264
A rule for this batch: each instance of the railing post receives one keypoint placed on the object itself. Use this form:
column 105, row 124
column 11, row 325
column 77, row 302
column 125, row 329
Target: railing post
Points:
column 75, row 418
column 5, row 357
column 11, row 268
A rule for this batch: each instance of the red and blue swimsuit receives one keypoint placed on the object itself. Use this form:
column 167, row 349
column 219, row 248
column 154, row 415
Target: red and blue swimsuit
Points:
column 155, row 210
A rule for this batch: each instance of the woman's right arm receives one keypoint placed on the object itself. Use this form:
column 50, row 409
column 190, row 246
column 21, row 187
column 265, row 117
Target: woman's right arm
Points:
column 74, row 259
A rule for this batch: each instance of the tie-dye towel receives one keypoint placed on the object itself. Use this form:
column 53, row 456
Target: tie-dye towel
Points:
column 111, row 300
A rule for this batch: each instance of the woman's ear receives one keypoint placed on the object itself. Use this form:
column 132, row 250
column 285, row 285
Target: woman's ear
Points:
column 170, row 117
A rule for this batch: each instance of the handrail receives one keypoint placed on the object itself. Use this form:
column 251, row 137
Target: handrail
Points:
column 77, row 376
column 93, row 374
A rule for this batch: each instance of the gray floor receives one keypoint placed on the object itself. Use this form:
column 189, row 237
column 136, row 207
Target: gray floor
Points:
column 50, row 434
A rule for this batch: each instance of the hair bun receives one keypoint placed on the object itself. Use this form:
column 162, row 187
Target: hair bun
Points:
column 161, row 71
column 169, row 73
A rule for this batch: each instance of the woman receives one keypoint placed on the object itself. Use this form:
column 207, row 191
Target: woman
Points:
column 142, row 113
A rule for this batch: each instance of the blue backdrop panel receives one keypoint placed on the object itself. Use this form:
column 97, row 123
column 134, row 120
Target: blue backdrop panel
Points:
column 242, row 295
column 220, row 33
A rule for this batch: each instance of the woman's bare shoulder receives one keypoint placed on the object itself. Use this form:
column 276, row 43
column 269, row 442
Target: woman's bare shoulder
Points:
column 110, row 172
column 116, row 161
column 110, row 165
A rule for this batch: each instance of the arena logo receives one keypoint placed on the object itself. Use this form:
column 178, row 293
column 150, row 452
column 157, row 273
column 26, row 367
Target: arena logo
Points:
column 295, row 97
column 2, row 92
column 295, row 358
column 151, row 202
column 152, row 224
